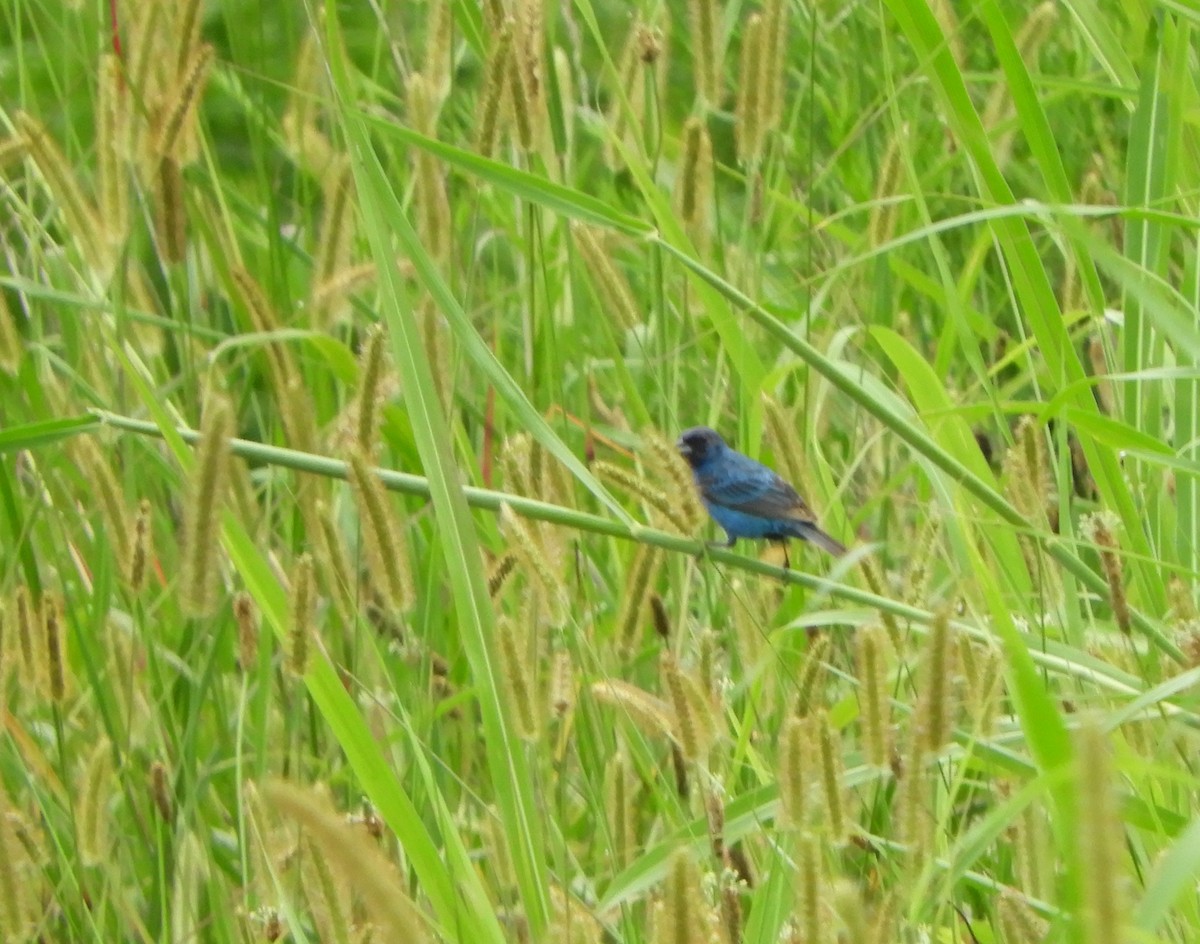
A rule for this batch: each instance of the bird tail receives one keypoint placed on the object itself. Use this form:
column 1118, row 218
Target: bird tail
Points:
column 810, row 532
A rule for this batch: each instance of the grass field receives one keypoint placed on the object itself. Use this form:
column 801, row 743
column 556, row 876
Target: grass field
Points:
column 935, row 262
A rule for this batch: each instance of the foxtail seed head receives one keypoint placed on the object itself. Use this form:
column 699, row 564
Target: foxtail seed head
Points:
column 639, row 583
column 11, row 346
column 56, row 670
column 829, row 743
column 371, row 370
column 303, row 603
column 1099, row 529
column 386, row 555
column 351, row 851
column 695, row 185
column 1101, row 837
column 747, row 112
column 665, row 463
column 209, row 478
column 181, row 107
column 616, row 297
column 493, row 97
column 335, row 234
column 245, row 614
column 795, row 771
column 519, row 677
column 874, row 698
column 937, row 703
column 810, row 683
column 694, row 723
column 704, row 19
column 143, row 546
column 685, row 916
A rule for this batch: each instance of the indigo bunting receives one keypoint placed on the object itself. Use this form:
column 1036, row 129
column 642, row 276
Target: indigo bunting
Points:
column 746, row 498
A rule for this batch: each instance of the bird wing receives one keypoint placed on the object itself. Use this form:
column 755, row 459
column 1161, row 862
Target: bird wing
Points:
column 769, row 498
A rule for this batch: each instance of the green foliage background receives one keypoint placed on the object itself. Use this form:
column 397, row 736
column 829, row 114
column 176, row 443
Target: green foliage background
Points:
column 952, row 297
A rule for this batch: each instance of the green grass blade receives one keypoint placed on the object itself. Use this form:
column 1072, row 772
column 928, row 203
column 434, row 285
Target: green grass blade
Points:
column 512, row 779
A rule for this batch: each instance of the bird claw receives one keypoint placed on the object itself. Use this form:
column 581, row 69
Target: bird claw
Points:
column 787, row 560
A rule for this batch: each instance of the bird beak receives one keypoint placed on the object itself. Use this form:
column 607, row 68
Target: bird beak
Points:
column 684, row 449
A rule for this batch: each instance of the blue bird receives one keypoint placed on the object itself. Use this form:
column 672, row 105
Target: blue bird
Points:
column 746, row 498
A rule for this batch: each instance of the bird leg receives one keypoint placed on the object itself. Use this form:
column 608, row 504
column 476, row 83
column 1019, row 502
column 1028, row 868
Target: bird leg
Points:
column 787, row 561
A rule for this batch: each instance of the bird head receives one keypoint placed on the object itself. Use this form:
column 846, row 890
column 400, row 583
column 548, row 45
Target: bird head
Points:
column 699, row 444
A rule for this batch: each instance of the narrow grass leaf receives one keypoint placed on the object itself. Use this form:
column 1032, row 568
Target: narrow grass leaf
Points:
column 383, row 215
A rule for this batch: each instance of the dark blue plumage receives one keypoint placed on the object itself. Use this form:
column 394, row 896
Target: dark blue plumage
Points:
column 746, row 498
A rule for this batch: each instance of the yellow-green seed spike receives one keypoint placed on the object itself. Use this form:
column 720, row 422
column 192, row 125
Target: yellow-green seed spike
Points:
column 92, row 817
column 386, row 554
column 19, row 906
column 912, row 807
column 151, row 60
column 181, row 109
column 638, row 584
column 533, row 555
column 669, row 467
column 143, row 546
column 1019, row 922
column 371, row 372
column 501, row 570
column 12, row 348
column 1099, row 529
column 25, row 617
column 303, row 600
column 874, row 697
column 781, row 427
column 651, row 715
column 209, row 479
column 430, row 186
column 693, row 726
column 695, row 184
column 874, row 578
column 112, row 151
column 245, row 614
column 438, row 348
column 334, row 565
column 674, row 514
column 528, row 87
column 439, row 64
column 936, row 708
column 612, row 288
column 97, row 467
column 747, row 111
column 170, row 211
column 772, row 64
column 621, row 811
column 888, row 188
column 1101, row 838
column 13, row 150
column 56, row 671
column 795, row 771
column 79, row 214
column 830, row 754
column 810, row 890
column 685, row 917
column 336, row 231
column 562, row 683
column 351, row 851
column 489, row 116
column 519, row 678
column 704, row 20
